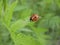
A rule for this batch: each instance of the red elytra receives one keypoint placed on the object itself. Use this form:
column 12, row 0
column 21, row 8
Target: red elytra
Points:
column 34, row 17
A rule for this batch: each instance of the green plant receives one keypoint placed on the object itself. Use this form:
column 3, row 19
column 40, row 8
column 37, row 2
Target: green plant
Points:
column 14, row 26
column 19, row 30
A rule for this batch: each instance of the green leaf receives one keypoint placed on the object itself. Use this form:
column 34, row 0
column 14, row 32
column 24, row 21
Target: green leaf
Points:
column 54, row 22
column 8, row 13
column 42, row 41
column 5, row 4
column 25, row 40
column 16, row 25
column 23, row 2
column 45, row 21
column 0, row 9
column 26, row 13
column 19, row 24
column 58, row 3
column 38, row 30
column 20, row 8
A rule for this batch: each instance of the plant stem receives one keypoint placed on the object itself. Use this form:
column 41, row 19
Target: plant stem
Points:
column 5, row 4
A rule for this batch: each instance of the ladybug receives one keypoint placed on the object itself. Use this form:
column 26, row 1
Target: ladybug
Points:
column 34, row 17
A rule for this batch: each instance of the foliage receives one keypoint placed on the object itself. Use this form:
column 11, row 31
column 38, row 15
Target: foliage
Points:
column 17, row 29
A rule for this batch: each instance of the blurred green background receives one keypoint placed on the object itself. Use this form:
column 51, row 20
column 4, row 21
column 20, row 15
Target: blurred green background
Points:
column 17, row 29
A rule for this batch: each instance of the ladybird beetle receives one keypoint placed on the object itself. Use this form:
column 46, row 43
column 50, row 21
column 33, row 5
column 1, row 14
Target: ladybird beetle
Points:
column 34, row 17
